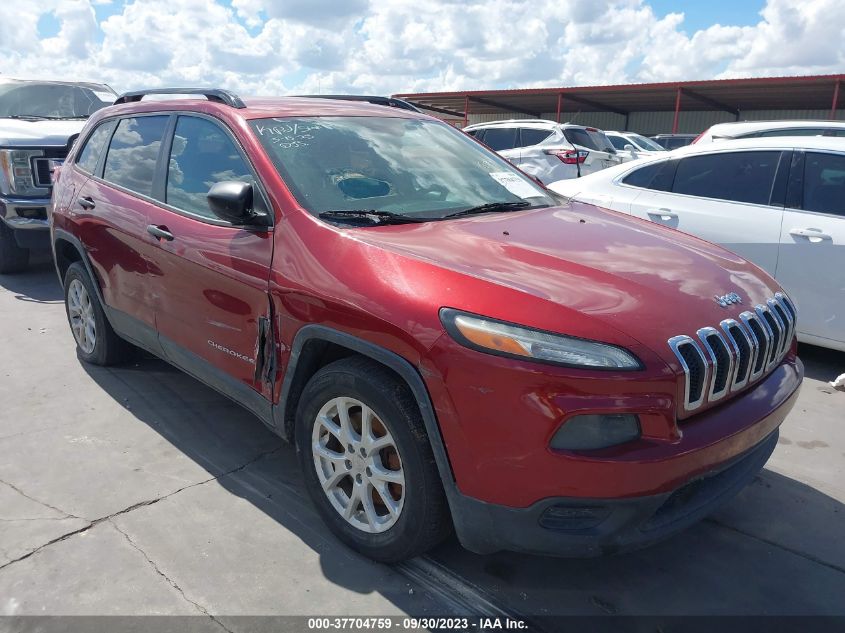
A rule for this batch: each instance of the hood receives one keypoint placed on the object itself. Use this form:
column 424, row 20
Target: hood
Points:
column 618, row 273
column 23, row 133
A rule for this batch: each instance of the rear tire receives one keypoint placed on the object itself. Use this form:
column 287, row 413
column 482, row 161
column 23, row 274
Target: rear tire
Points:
column 96, row 341
column 368, row 463
column 13, row 258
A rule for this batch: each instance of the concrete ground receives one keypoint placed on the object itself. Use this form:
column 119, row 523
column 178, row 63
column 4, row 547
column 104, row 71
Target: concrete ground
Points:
column 137, row 490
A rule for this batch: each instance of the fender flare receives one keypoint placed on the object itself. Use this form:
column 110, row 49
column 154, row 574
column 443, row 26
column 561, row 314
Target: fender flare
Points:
column 393, row 361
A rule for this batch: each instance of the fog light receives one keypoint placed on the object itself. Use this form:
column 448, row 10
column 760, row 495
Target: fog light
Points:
column 589, row 432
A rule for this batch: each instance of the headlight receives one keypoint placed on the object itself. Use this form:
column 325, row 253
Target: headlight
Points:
column 16, row 171
column 514, row 341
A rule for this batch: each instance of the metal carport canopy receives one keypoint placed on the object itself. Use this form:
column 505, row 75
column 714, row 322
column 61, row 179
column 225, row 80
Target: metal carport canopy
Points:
column 729, row 95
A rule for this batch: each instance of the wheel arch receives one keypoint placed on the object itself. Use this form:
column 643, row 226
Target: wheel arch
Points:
column 314, row 346
column 67, row 249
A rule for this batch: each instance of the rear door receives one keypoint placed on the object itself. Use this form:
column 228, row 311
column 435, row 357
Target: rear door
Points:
column 211, row 286
column 731, row 198
column 110, row 212
column 811, row 264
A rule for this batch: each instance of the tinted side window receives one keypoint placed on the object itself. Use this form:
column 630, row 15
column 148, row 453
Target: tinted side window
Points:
column 131, row 161
column 94, row 146
column 532, row 136
column 657, row 176
column 824, row 183
column 473, row 132
column 500, row 138
column 736, row 176
column 202, row 154
column 643, row 176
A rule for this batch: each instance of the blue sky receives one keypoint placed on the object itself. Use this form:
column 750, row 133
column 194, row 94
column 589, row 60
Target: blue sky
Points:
column 700, row 15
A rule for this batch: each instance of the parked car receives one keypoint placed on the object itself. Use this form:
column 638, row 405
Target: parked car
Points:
column 38, row 121
column 547, row 150
column 673, row 141
column 779, row 202
column 445, row 345
column 631, row 146
column 763, row 129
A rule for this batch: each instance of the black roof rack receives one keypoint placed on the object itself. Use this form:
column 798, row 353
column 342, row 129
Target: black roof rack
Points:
column 212, row 94
column 393, row 102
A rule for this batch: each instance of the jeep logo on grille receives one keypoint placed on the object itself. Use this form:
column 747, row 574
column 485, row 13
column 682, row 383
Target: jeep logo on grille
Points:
column 728, row 299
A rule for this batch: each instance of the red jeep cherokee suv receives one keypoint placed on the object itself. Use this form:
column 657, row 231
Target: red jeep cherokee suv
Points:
column 446, row 343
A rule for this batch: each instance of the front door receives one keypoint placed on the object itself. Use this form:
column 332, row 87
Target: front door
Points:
column 211, row 291
column 811, row 265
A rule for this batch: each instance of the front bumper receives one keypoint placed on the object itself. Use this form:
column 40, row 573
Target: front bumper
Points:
column 582, row 528
column 29, row 220
column 717, row 455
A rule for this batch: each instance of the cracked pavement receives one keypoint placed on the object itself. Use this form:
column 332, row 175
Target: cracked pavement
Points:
column 137, row 490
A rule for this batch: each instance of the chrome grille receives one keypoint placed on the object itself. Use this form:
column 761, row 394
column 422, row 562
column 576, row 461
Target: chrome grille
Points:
column 723, row 360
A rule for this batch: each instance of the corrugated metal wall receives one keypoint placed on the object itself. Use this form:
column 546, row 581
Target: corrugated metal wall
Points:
column 689, row 122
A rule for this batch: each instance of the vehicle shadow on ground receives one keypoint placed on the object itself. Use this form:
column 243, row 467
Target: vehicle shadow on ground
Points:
column 821, row 363
column 37, row 284
column 758, row 555
column 221, row 437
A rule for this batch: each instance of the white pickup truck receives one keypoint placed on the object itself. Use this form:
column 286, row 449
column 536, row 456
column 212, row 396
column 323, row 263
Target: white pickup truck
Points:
column 39, row 121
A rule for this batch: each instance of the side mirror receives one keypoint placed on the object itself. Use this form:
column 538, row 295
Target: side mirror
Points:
column 630, row 148
column 233, row 201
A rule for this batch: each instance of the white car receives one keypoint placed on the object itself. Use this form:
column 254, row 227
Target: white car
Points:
column 547, row 150
column 631, row 145
column 779, row 202
column 764, row 129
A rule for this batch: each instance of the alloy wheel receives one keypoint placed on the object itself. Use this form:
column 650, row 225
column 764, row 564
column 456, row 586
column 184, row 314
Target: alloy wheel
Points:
column 358, row 465
column 81, row 313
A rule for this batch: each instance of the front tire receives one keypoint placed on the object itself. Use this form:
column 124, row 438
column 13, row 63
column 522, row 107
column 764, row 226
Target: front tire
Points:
column 13, row 258
column 96, row 341
column 367, row 461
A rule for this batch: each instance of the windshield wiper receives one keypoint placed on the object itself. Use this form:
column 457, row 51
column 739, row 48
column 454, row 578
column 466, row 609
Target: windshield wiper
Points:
column 490, row 207
column 372, row 216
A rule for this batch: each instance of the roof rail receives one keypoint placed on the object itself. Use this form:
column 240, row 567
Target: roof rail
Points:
column 376, row 99
column 212, row 94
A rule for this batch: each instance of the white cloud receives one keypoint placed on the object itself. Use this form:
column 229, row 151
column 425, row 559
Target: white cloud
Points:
column 386, row 46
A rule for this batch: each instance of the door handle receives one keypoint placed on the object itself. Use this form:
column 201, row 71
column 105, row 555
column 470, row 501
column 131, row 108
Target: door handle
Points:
column 813, row 235
column 160, row 233
column 663, row 214
column 86, row 203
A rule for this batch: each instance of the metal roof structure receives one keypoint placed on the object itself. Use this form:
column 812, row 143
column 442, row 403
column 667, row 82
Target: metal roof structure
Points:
column 727, row 95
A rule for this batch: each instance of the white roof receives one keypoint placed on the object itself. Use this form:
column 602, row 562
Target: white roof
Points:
column 835, row 143
column 747, row 127
column 542, row 124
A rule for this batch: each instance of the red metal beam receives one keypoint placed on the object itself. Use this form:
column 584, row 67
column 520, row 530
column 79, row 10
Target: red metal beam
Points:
column 559, row 104
column 466, row 110
column 835, row 100
column 677, row 110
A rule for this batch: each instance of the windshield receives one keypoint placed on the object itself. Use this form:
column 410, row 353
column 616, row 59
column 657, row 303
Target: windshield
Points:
column 51, row 100
column 646, row 143
column 403, row 166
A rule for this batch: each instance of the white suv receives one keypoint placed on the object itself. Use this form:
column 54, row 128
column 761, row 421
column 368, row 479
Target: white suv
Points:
column 547, row 150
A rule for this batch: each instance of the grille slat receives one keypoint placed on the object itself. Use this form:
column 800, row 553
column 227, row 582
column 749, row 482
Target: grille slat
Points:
column 724, row 360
